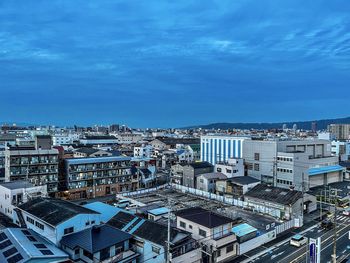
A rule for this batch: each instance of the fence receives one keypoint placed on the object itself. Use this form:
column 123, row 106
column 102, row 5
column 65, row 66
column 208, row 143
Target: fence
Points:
column 143, row 191
column 256, row 242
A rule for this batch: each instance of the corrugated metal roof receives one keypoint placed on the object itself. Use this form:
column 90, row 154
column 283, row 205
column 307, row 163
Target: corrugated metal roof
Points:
column 325, row 169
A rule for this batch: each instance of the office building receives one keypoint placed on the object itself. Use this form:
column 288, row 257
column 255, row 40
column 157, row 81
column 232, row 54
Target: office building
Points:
column 340, row 131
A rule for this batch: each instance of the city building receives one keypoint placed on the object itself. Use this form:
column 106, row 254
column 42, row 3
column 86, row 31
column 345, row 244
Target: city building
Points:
column 101, row 243
column 54, row 218
column 18, row 192
column 340, row 131
column 214, row 231
column 231, row 168
column 192, row 170
column 287, row 163
column 236, row 186
column 38, row 166
column 90, row 152
column 207, row 182
column 143, row 151
column 99, row 176
column 128, row 138
column 220, row 148
column 99, row 140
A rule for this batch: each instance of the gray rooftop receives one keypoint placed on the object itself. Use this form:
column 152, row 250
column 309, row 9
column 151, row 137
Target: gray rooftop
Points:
column 244, row 180
column 17, row 184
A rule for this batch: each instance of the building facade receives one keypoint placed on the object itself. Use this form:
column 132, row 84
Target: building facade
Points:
column 220, row 148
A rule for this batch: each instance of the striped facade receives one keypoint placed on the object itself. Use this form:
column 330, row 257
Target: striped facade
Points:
column 218, row 148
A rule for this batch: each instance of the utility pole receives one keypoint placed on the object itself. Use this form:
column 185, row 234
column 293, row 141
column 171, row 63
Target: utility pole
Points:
column 169, row 229
column 334, row 255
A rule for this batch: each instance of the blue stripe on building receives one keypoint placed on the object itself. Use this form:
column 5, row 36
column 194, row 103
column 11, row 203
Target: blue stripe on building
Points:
column 239, row 149
column 224, row 153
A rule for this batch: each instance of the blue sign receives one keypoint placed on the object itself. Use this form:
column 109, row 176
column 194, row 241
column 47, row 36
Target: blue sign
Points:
column 313, row 255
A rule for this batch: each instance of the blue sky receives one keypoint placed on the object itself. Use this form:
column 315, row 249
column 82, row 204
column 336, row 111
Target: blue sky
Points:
column 173, row 63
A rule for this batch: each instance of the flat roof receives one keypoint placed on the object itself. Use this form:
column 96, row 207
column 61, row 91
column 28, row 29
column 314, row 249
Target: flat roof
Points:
column 159, row 211
column 17, row 184
column 325, row 169
column 243, row 229
column 97, row 159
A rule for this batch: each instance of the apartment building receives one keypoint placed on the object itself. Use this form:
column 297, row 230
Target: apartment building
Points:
column 233, row 167
column 99, row 176
column 340, row 131
column 220, row 148
column 292, row 163
column 38, row 166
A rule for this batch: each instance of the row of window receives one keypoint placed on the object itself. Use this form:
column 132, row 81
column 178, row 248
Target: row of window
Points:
column 279, row 181
column 285, row 159
column 36, row 223
column 256, row 166
column 284, row 170
column 229, row 249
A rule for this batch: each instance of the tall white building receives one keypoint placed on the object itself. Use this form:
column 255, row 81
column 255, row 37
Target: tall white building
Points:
column 220, row 148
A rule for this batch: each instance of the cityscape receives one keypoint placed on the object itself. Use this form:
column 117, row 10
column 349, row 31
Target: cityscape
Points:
column 174, row 132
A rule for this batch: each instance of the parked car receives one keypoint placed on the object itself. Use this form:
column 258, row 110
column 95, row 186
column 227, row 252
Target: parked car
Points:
column 298, row 240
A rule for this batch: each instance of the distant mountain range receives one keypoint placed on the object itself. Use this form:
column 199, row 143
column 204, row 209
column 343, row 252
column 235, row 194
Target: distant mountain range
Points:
column 305, row 125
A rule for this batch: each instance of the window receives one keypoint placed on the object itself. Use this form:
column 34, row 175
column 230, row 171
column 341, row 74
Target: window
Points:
column 190, row 226
column 88, row 254
column 92, row 222
column 228, row 171
column 249, row 166
column 218, row 253
column 182, row 224
column 256, row 167
column 38, row 225
column 68, row 230
column 76, row 252
column 256, row 156
column 202, row 233
column 229, row 248
column 218, row 170
column 30, row 220
column 156, row 249
column 87, row 223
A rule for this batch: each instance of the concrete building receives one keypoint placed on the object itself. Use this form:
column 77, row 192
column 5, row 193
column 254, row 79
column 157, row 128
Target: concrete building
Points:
column 279, row 202
column 231, row 168
column 143, row 151
column 220, row 148
column 90, row 152
column 128, row 138
column 236, row 186
column 212, row 230
column 341, row 149
column 54, row 218
column 207, row 182
column 38, row 166
column 286, row 163
column 99, row 176
column 99, row 140
column 16, row 193
column 192, row 170
column 340, row 131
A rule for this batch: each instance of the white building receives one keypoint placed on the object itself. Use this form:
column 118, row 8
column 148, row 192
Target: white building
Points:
column 219, row 148
column 16, row 193
column 63, row 139
column 143, row 151
column 54, row 218
column 231, row 168
column 341, row 149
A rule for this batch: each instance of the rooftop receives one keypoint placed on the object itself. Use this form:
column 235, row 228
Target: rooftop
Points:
column 97, row 159
column 54, row 211
column 274, row 194
column 95, row 238
column 199, row 165
column 214, row 175
column 17, row 184
column 244, row 180
column 243, row 229
column 203, row 217
column 158, row 211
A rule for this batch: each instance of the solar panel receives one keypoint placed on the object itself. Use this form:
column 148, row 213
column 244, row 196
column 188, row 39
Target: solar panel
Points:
column 31, row 238
column 2, row 237
column 46, row 252
column 15, row 259
column 5, row 244
column 26, row 232
column 10, row 252
column 40, row 245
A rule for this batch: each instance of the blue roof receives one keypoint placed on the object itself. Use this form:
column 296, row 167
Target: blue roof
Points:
column 325, row 169
column 297, row 237
column 243, row 229
column 106, row 211
column 159, row 211
column 97, row 159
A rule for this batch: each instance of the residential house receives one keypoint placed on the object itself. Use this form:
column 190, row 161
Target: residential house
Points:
column 236, row 186
column 192, row 170
column 207, row 182
column 90, row 152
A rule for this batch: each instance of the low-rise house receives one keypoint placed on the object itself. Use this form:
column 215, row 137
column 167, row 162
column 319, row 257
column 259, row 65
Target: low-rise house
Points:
column 236, row 186
column 99, row 244
column 90, row 152
column 18, row 192
column 278, row 202
column 214, row 231
column 231, row 168
column 157, row 213
column 176, row 173
column 192, row 170
column 143, row 151
column 19, row 245
column 151, row 240
column 244, row 232
column 54, row 218
column 207, row 182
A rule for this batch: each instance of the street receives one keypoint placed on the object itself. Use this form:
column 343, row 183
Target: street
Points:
column 285, row 252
